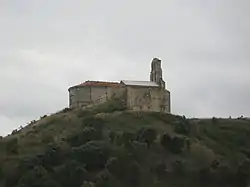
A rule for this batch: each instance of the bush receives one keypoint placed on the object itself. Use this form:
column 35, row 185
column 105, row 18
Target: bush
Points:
column 179, row 167
column 1, row 172
column 88, row 184
column 243, row 173
column 28, row 163
column 224, row 175
column 65, row 110
column 127, row 137
column 161, row 170
column 112, row 137
column 182, row 127
column 93, row 154
column 38, row 177
column 53, row 156
column 201, row 155
column 94, row 122
column 147, row 135
column 104, row 179
column 174, row 145
column 88, row 134
column 112, row 105
column 11, row 146
column 72, row 173
column 214, row 120
column 138, row 150
column 44, row 116
column 125, row 169
column 47, row 138
column 206, row 177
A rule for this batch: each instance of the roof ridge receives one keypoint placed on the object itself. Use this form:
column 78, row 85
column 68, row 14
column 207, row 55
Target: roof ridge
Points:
column 139, row 83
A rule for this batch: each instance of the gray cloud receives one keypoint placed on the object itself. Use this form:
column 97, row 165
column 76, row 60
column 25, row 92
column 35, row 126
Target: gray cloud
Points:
column 47, row 46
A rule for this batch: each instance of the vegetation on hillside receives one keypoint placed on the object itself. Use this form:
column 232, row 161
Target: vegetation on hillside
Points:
column 106, row 146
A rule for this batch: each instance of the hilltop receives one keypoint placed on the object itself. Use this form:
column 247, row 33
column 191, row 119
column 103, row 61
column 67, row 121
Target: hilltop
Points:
column 106, row 146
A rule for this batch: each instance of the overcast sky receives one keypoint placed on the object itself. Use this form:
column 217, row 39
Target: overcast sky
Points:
column 47, row 46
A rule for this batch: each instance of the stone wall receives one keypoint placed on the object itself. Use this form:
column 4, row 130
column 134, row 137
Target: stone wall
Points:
column 99, row 93
column 136, row 97
column 87, row 95
column 119, row 92
column 79, row 96
column 147, row 99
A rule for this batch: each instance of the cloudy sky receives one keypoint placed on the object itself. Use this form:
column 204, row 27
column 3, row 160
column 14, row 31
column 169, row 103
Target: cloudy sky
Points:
column 47, row 46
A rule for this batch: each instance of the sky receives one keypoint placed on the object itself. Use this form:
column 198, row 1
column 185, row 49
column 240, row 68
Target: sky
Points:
column 47, row 46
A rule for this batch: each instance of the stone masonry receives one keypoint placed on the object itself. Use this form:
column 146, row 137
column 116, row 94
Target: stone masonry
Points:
column 139, row 95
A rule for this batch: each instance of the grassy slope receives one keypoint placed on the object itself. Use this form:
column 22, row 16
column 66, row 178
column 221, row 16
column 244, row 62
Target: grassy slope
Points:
column 226, row 140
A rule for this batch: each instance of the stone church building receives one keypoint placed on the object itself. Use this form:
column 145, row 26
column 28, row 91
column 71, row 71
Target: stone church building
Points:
column 138, row 95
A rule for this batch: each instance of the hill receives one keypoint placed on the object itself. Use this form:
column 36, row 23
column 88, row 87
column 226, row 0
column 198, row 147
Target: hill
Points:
column 106, row 146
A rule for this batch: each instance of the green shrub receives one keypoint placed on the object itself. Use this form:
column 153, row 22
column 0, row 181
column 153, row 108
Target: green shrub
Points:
column 104, row 179
column 88, row 134
column 214, row 120
column 147, row 135
column 94, row 154
column 174, row 145
column 243, row 173
column 127, row 137
column 65, row 110
column 11, row 146
column 201, row 156
column 47, row 138
column 112, row 137
column 37, row 177
column 125, row 169
column 179, row 167
column 182, row 127
column 160, row 170
column 224, row 175
column 72, row 173
column 94, row 122
column 205, row 177
column 88, row 184
column 138, row 150
column 112, row 105
column 52, row 156
column 28, row 163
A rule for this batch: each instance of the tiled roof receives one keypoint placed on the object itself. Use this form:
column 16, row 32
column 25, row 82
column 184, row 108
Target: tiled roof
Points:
column 139, row 83
column 100, row 83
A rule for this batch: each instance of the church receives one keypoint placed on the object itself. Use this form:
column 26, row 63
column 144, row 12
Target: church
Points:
column 138, row 95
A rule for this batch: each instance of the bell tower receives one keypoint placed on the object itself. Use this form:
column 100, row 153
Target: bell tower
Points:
column 156, row 73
